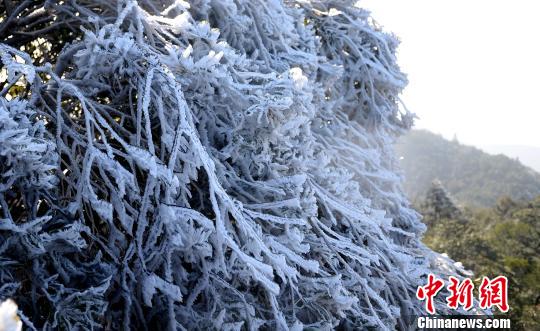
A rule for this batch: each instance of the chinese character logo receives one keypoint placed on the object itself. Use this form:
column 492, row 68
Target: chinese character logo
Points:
column 491, row 293
column 494, row 293
column 429, row 291
column 460, row 293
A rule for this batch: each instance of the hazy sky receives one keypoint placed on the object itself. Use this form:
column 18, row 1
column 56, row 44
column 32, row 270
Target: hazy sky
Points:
column 473, row 66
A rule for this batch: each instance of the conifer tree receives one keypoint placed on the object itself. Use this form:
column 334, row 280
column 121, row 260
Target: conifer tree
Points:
column 438, row 205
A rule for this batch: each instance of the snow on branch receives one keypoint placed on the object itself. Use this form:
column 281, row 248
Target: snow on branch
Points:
column 207, row 164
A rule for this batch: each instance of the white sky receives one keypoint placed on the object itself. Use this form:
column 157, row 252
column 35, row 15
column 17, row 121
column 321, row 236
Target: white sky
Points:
column 473, row 66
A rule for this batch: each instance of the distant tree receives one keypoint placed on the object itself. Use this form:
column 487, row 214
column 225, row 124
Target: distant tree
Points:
column 505, row 205
column 438, row 205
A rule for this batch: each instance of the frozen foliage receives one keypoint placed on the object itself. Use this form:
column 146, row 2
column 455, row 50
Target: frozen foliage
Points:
column 9, row 321
column 209, row 164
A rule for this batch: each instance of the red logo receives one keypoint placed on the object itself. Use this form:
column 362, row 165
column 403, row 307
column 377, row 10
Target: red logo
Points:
column 429, row 291
column 491, row 293
column 494, row 293
column 460, row 293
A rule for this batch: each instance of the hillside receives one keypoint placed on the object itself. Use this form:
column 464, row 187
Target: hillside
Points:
column 472, row 176
column 502, row 240
column 528, row 155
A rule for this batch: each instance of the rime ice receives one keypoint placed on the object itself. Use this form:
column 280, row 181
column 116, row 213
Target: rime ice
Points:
column 210, row 164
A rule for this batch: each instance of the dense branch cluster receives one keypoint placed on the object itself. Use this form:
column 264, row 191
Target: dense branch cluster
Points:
column 206, row 164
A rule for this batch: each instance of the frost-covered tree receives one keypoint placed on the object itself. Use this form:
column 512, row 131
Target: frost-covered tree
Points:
column 205, row 164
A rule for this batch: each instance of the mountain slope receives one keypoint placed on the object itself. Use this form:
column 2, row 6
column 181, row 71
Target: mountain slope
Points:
column 528, row 155
column 473, row 177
